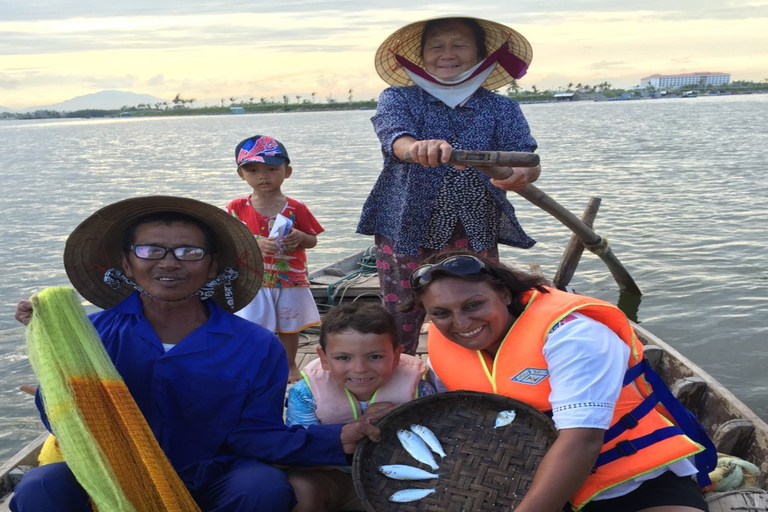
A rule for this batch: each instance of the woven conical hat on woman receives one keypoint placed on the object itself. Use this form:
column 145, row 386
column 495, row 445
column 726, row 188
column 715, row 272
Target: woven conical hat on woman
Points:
column 95, row 246
column 508, row 48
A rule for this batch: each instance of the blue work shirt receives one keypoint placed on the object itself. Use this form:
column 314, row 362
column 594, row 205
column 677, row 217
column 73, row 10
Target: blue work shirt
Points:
column 214, row 397
column 400, row 205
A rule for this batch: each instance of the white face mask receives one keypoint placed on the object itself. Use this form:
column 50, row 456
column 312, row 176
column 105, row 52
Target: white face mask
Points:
column 453, row 92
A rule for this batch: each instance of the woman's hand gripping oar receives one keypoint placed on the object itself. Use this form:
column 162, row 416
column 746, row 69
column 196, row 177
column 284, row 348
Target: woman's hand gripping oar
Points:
column 499, row 165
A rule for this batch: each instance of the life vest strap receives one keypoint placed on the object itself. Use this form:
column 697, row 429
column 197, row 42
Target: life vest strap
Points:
column 630, row 447
column 631, row 419
column 706, row 460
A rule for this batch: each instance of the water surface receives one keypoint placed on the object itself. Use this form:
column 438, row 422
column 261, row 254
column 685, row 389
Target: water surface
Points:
column 682, row 183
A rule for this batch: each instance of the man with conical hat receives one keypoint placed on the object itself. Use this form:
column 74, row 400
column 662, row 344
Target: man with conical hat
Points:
column 169, row 273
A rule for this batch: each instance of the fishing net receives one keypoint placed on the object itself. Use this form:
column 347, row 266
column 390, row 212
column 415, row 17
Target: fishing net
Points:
column 102, row 434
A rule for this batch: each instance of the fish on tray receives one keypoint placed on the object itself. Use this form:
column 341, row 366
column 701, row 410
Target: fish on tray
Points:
column 505, row 418
column 407, row 495
column 430, row 438
column 416, row 447
column 403, row 472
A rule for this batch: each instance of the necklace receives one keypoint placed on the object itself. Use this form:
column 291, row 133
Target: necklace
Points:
column 269, row 205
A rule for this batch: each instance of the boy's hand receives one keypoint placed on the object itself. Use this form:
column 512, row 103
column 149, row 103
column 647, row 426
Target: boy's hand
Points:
column 377, row 410
column 294, row 239
column 268, row 246
column 354, row 432
column 298, row 238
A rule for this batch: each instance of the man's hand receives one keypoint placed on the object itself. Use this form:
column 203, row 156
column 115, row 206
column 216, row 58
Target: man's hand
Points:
column 352, row 433
column 24, row 312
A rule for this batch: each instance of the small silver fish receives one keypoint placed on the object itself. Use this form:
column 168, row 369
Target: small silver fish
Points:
column 504, row 418
column 430, row 438
column 407, row 495
column 403, row 472
column 417, row 448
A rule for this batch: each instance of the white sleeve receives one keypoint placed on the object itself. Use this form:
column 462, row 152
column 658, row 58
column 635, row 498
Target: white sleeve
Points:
column 586, row 363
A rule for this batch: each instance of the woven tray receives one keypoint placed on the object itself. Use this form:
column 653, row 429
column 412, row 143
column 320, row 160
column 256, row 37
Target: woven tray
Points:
column 485, row 468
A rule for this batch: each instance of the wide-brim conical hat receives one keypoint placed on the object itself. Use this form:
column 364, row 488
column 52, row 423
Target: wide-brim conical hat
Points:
column 406, row 42
column 95, row 246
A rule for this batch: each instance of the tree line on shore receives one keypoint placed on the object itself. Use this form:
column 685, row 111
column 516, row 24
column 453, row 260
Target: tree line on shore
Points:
column 308, row 103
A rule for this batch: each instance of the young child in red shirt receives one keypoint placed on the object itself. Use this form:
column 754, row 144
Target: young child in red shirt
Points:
column 284, row 303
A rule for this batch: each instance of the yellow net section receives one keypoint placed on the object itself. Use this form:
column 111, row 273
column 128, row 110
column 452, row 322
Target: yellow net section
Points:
column 101, row 432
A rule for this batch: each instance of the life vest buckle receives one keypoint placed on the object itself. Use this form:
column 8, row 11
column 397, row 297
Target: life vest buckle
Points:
column 629, row 421
column 626, row 448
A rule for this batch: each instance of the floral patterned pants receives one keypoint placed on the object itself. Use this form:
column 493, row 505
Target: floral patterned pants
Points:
column 394, row 273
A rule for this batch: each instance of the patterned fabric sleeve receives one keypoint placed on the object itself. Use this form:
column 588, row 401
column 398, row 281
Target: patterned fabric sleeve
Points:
column 301, row 406
column 393, row 119
column 425, row 388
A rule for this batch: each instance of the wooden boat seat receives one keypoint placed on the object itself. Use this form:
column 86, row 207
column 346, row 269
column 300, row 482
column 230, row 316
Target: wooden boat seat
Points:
column 735, row 437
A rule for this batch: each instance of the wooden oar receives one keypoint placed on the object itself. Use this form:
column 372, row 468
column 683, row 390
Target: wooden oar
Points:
column 498, row 165
column 575, row 248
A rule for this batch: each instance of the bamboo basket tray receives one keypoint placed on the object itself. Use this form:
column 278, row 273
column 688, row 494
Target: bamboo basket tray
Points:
column 485, row 468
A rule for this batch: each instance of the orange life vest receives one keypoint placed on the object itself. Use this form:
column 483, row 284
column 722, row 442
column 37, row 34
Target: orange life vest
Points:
column 520, row 371
column 338, row 405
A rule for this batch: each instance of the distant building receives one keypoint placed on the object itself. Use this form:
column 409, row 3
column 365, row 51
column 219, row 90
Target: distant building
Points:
column 237, row 110
column 703, row 79
column 565, row 96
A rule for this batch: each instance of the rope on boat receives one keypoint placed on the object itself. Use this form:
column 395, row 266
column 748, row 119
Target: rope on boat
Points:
column 366, row 268
column 102, row 434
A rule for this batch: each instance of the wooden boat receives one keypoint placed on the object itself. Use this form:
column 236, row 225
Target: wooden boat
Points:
column 735, row 429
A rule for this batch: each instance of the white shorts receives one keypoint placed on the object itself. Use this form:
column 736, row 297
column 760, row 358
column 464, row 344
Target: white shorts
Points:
column 287, row 310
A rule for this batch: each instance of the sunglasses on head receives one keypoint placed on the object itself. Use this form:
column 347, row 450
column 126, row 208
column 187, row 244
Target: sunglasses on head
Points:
column 464, row 265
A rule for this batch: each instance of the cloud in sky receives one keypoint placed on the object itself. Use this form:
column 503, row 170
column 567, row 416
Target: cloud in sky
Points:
column 53, row 50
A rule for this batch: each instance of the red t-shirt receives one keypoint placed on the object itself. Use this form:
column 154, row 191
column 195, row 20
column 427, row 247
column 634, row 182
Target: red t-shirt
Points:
column 289, row 268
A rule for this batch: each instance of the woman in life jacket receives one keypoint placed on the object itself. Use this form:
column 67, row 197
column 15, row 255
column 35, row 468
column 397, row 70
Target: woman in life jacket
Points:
column 500, row 330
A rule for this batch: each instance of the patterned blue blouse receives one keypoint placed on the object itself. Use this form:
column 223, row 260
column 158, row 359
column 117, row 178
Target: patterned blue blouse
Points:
column 418, row 206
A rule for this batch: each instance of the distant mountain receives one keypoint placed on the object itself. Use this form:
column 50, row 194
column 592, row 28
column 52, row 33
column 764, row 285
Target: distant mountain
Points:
column 103, row 100
column 3, row 109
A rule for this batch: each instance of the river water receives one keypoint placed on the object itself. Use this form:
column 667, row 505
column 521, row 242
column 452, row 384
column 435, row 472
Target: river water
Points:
column 682, row 181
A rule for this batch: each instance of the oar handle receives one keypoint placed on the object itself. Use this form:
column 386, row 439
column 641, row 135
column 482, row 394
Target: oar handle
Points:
column 481, row 159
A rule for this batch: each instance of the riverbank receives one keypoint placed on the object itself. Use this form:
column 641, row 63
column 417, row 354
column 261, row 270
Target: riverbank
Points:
column 182, row 109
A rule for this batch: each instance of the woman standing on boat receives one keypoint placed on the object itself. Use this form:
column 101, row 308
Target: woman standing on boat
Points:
column 499, row 330
column 442, row 72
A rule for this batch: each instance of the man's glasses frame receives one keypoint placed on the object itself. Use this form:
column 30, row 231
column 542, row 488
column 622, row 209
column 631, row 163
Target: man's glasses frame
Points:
column 158, row 252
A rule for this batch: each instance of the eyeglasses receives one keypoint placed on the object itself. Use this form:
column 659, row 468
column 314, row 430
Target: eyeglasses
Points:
column 464, row 265
column 155, row 252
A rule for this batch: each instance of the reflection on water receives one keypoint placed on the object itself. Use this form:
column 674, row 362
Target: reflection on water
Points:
column 682, row 184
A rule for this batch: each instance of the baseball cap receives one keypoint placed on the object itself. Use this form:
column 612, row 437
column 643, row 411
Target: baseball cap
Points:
column 261, row 149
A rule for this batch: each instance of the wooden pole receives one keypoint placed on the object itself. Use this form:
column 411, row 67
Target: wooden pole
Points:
column 589, row 238
column 574, row 249
column 498, row 165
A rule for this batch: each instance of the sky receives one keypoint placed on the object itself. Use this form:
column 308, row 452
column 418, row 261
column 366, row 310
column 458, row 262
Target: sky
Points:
column 54, row 50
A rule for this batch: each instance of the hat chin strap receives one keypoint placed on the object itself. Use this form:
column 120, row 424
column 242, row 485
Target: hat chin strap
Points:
column 114, row 279
column 226, row 278
column 455, row 92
